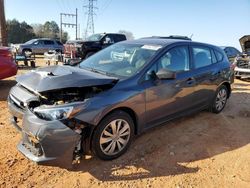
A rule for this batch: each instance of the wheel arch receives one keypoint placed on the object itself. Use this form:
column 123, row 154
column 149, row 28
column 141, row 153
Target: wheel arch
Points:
column 26, row 49
column 228, row 86
column 129, row 111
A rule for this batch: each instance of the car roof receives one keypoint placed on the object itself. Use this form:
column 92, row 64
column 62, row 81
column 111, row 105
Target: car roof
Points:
column 45, row 39
column 223, row 47
column 164, row 42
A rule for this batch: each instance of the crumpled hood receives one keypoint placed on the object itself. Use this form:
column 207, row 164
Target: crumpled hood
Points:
column 59, row 77
column 245, row 43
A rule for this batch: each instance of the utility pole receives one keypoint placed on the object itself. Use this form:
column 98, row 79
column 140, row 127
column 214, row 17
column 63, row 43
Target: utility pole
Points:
column 3, row 32
column 63, row 15
column 90, row 28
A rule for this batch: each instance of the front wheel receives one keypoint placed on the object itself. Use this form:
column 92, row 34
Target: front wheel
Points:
column 113, row 136
column 220, row 99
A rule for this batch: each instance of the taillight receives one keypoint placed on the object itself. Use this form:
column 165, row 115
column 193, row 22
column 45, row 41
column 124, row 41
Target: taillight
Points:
column 5, row 53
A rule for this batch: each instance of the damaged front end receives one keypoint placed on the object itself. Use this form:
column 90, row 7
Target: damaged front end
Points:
column 242, row 65
column 50, row 133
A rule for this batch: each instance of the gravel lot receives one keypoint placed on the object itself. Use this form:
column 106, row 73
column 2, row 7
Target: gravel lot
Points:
column 202, row 150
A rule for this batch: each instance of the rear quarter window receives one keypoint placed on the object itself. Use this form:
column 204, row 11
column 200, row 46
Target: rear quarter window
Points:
column 59, row 43
column 119, row 38
column 218, row 55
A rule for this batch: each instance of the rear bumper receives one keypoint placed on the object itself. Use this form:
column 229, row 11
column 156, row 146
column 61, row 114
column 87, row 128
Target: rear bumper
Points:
column 47, row 142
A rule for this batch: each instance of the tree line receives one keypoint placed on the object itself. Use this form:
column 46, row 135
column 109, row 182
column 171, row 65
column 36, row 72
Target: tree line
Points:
column 20, row 32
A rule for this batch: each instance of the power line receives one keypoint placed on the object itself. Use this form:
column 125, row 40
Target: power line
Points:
column 105, row 6
column 90, row 28
column 74, row 24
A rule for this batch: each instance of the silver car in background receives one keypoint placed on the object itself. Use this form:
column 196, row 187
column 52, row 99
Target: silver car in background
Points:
column 39, row 46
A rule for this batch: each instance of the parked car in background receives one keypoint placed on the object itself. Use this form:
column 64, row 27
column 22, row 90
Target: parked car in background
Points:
column 93, row 44
column 242, row 65
column 117, row 93
column 232, row 53
column 8, row 67
column 38, row 46
column 245, row 44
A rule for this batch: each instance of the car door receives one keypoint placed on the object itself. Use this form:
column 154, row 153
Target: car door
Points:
column 166, row 98
column 37, row 46
column 48, row 45
column 206, row 73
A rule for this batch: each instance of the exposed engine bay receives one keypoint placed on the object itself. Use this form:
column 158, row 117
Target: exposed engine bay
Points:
column 67, row 95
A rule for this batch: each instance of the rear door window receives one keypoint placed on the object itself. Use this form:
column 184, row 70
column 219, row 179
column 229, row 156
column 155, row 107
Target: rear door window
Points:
column 202, row 56
column 119, row 38
column 48, row 42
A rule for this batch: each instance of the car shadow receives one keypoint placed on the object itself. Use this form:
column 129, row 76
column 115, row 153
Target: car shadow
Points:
column 5, row 86
column 169, row 150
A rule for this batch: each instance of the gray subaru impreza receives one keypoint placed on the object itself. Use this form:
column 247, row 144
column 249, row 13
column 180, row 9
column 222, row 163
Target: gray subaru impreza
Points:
column 121, row 91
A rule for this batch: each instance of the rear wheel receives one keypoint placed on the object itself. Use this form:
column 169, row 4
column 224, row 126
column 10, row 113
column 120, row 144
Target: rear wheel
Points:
column 220, row 99
column 113, row 136
column 237, row 77
column 33, row 64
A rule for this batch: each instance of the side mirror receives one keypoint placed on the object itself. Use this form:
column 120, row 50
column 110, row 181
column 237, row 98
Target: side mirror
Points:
column 164, row 74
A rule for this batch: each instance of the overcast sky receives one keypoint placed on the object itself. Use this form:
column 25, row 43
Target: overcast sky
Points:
column 219, row 22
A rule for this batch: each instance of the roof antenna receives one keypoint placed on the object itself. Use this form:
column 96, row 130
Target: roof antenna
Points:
column 191, row 36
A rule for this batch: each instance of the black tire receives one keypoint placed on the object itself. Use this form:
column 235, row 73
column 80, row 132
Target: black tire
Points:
column 33, row 64
column 26, row 63
column 99, row 133
column 220, row 99
column 237, row 77
column 27, row 52
column 89, row 54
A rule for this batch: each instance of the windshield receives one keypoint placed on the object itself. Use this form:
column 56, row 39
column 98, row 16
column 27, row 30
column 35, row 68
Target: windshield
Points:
column 30, row 41
column 121, row 60
column 95, row 37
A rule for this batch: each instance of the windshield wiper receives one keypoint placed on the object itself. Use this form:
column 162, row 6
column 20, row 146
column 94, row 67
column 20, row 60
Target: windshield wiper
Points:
column 94, row 70
column 99, row 71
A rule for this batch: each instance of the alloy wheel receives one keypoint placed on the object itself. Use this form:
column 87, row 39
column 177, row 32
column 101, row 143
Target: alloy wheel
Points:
column 115, row 137
column 221, row 99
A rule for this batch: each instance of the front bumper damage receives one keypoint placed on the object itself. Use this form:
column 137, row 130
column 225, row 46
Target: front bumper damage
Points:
column 47, row 142
column 44, row 142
